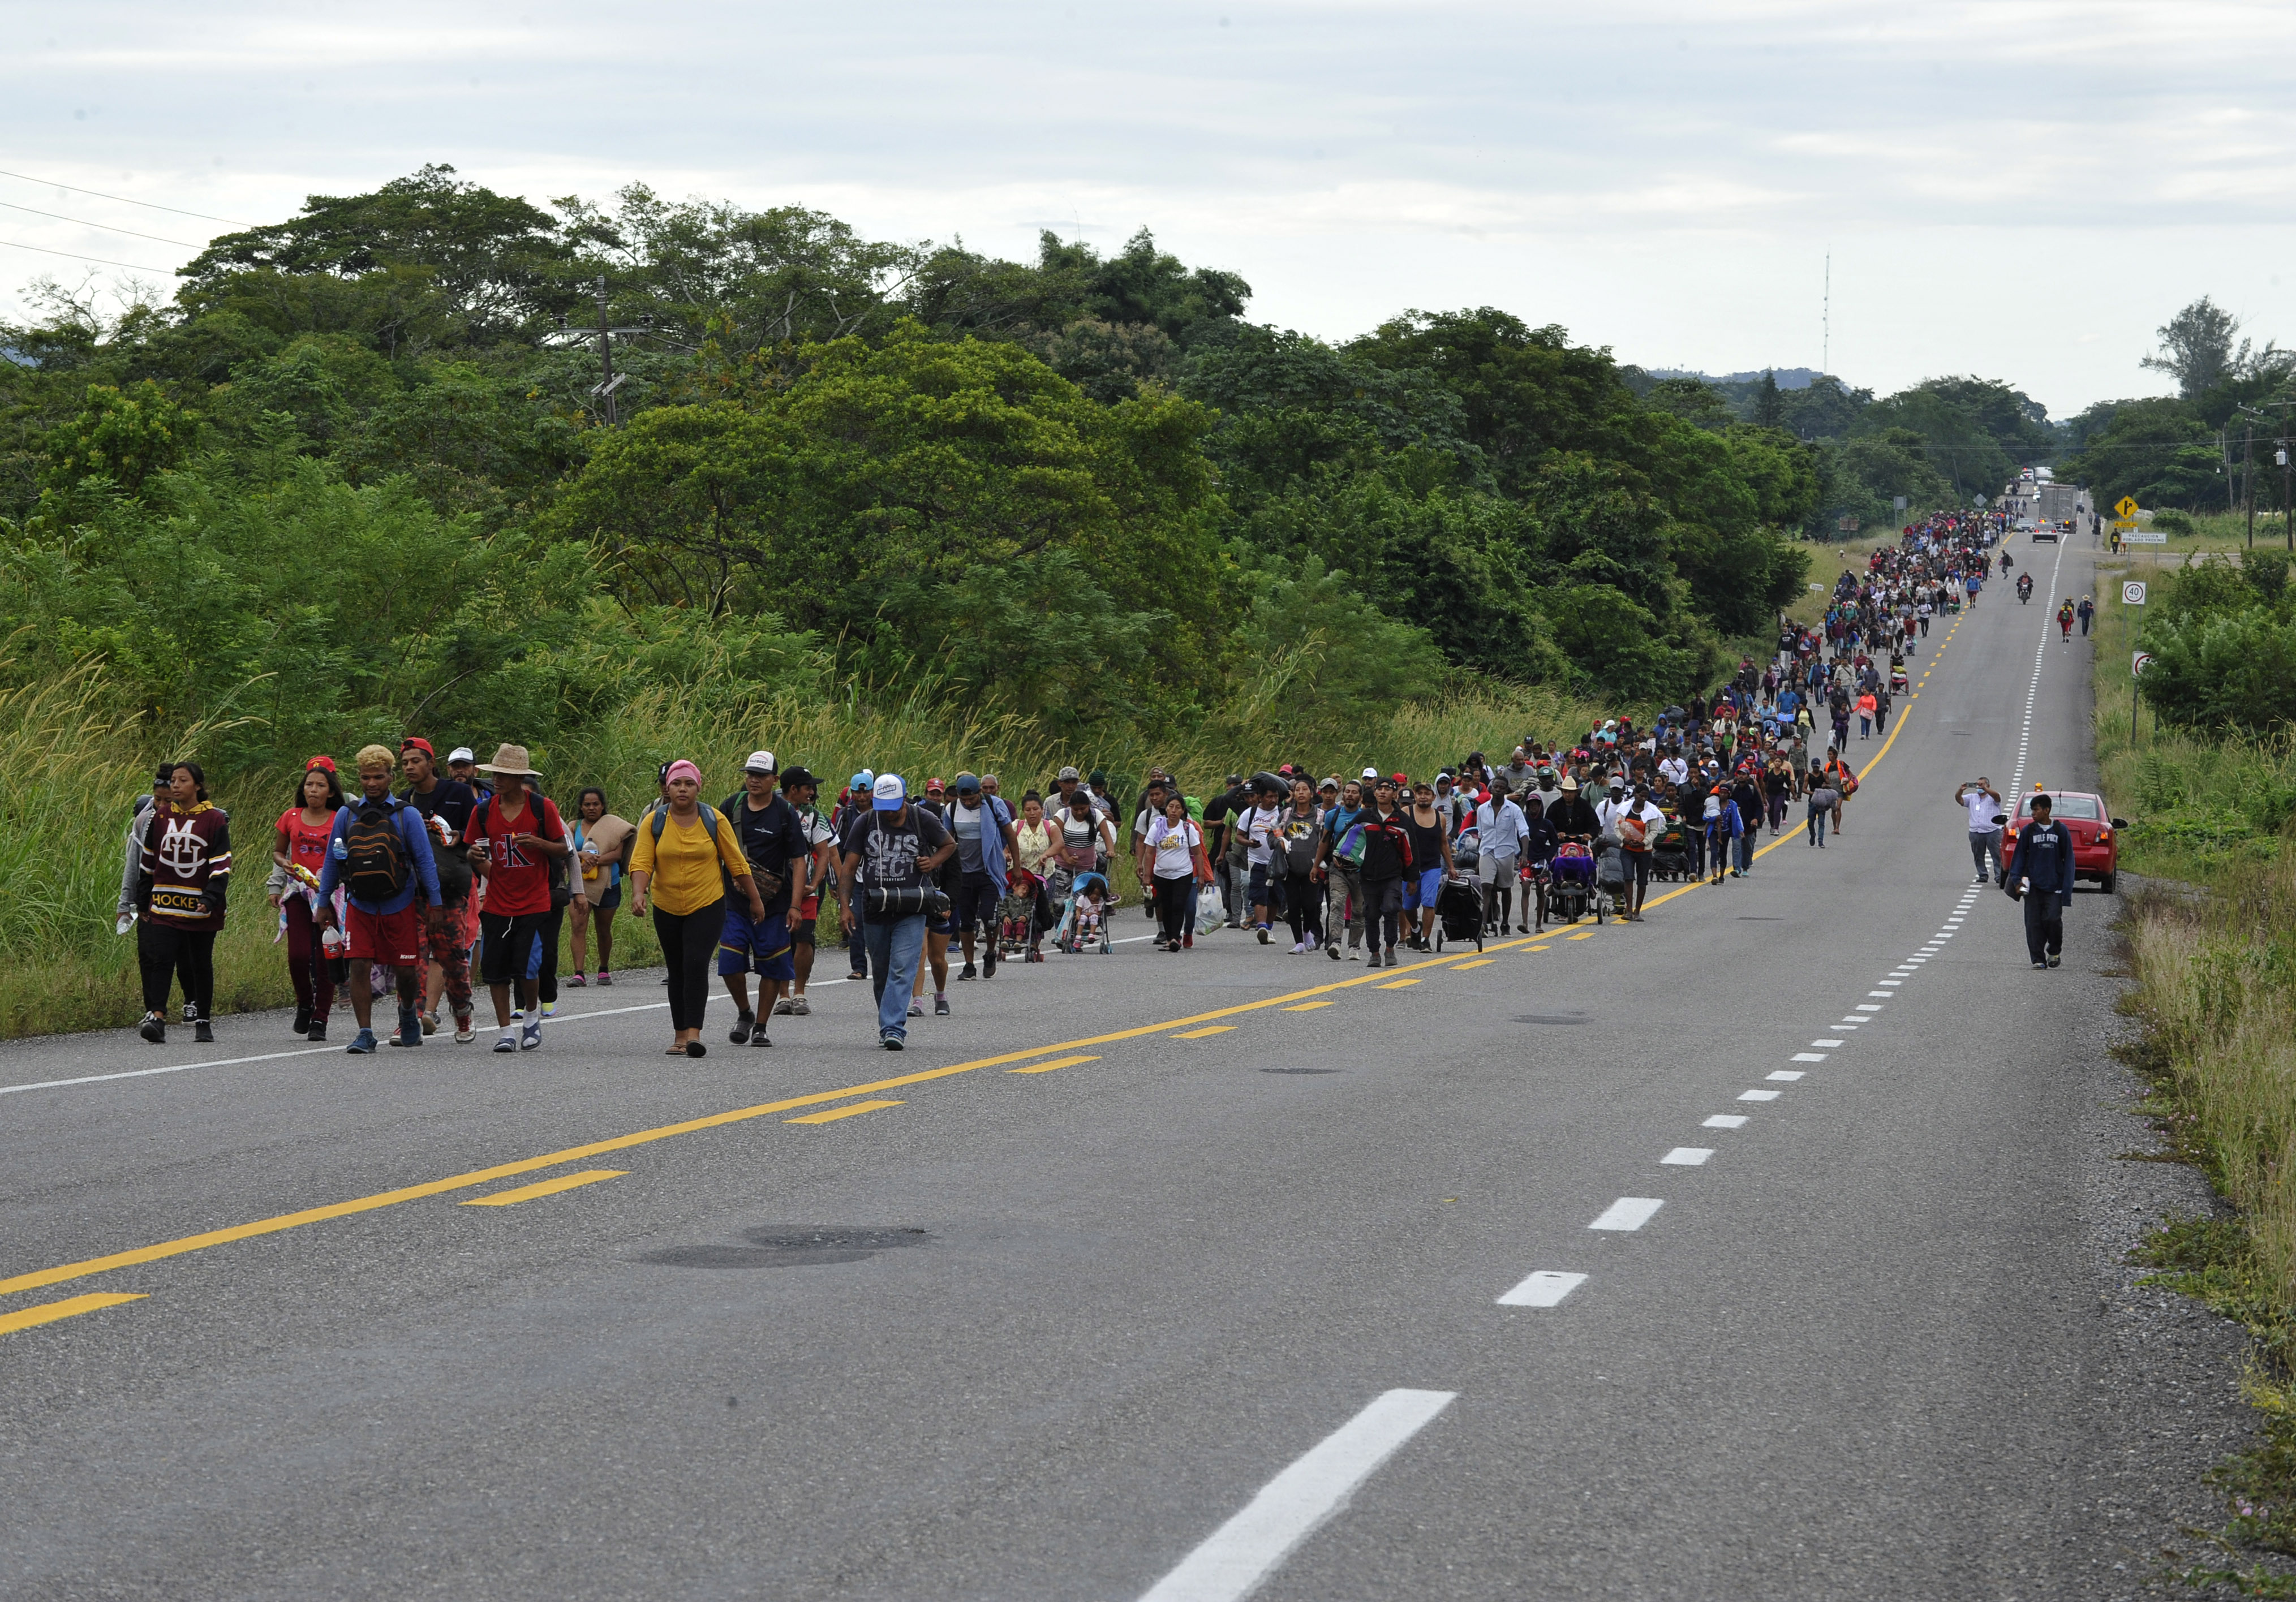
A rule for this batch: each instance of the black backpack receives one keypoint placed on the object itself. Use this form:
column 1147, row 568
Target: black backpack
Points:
column 376, row 854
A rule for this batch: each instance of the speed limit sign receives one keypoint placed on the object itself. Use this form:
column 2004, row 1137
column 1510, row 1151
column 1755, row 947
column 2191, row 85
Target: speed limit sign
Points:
column 2132, row 594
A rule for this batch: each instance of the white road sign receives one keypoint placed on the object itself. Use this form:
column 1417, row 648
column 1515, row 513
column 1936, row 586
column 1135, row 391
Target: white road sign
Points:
column 2146, row 536
column 2132, row 594
column 2138, row 661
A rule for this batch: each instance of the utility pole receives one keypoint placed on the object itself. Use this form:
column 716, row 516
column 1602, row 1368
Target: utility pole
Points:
column 1825, row 320
column 2287, row 505
column 605, row 389
column 2248, row 480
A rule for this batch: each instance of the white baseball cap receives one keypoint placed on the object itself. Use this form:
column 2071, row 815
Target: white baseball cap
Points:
column 1371, row 773
column 891, row 795
column 760, row 762
column 461, row 754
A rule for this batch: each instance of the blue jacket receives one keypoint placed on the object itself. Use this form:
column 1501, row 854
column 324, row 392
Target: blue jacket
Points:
column 411, row 830
column 1727, row 825
column 995, row 817
column 2045, row 855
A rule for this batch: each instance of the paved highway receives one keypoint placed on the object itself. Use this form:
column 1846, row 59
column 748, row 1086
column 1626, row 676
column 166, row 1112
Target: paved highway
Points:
column 1752, row 1251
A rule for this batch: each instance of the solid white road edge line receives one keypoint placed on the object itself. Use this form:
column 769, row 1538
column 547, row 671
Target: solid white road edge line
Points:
column 1235, row 1557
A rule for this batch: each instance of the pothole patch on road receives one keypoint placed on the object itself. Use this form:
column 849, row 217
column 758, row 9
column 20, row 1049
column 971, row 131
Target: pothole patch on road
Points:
column 791, row 1246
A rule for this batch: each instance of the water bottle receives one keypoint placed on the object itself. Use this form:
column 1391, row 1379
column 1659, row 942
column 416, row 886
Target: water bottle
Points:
column 334, row 943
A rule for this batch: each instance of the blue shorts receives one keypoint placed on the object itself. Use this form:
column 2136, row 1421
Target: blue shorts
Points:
column 760, row 948
column 1420, row 889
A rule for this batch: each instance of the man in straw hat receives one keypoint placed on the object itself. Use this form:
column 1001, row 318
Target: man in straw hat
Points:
column 515, row 834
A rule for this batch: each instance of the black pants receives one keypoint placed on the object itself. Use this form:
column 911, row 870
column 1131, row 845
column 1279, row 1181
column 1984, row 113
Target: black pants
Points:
column 1383, row 911
column 2044, row 925
column 688, row 942
column 160, row 950
column 506, row 945
column 1303, row 907
column 1172, row 906
column 977, row 899
column 547, row 931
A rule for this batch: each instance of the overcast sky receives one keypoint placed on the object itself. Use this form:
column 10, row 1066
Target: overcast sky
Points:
column 2017, row 190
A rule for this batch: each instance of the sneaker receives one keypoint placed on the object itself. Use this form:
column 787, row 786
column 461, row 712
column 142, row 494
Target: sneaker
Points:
column 989, row 963
column 190, row 1013
column 154, row 1028
column 1262, row 931
column 783, row 1008
column 967, row 973
column 577, row 982
column 605, row 978
column 892, row 1042
column 916, row 1007
column 550, row 1009
column 2040, row 967
column 1312, row 942
column 1332, row 952
column 758, row 1039
column 517, row 1014
column 202, row 1032
column 464, row 1033
column 1390, row 957
column 2055, row 960
column 1188, row 942
column 799, row 1007
column 1370, row 962
column 940, row 1006
column 532, row 1038
column 1355, row 953
column 362, row 1044
column 740, row 1033
column 318, row 1033
column 302, row 1024
column 429, row 1023
column 1299, row 948
column 410, row 1029
column 509, row 1041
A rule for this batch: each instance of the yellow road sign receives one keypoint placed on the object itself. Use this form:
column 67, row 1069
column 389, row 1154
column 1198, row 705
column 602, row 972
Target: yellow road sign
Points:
column 2126, row 507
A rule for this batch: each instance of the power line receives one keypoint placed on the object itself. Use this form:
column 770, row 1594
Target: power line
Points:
column 106, row 227
column 124, row 200
column 100, row 260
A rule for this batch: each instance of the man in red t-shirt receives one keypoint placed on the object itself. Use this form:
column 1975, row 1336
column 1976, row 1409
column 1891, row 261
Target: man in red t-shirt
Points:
column 514, row 836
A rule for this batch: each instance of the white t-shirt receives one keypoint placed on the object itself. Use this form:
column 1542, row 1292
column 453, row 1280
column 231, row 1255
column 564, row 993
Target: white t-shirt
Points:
column 1262, row 825
column 1982, row 809
column 1174, row 845
column 1675, row 769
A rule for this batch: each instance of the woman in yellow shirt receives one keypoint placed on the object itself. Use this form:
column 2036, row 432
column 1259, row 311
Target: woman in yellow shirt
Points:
column 676, row 868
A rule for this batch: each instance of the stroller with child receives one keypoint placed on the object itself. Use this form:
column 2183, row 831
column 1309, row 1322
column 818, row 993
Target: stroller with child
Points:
column 1083, row 916
column 1573, row 894
column 1016, row 928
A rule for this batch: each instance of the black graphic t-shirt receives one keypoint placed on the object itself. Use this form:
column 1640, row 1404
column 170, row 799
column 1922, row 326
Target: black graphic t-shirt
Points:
column 890, row 852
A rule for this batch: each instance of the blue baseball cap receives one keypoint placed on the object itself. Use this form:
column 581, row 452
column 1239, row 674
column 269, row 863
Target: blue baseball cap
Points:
column 892, row 794
column 862, row 780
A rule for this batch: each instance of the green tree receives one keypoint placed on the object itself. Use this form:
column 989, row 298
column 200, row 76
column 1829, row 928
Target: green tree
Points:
column 122, row 436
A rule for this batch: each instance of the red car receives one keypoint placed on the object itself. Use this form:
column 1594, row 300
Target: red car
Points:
column 2097, row 848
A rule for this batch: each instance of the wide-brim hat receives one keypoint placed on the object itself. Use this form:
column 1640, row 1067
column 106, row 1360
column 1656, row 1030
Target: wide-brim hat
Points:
column 511, row 760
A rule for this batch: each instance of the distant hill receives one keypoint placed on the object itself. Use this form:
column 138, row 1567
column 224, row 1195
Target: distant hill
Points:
column 1789, row 377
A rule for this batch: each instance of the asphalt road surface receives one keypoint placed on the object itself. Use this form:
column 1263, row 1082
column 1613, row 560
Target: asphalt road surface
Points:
column 1747, row 1251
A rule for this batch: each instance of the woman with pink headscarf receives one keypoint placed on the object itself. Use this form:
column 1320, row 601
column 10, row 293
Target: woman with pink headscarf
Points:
column 675, row 869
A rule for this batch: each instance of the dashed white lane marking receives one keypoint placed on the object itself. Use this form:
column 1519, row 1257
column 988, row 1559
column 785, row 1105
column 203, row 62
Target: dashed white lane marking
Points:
column 1825, row 1042
column 1545, row 1288
column 1758, row 1095
column 1865, row 1007
column 1726, row 1121
column 1235, row 1557
column 1808, row 1057
column 1788, row 1075
column 1628, row 1213
column 1688, row 1156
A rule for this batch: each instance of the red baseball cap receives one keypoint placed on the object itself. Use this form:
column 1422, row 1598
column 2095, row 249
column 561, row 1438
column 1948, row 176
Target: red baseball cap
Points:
column 415, row 742
column 1400, row 779
column 327, row 763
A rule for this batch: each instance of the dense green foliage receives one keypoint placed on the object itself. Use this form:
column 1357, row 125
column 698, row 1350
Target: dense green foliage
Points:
column 2223, row 638
column 357, row 475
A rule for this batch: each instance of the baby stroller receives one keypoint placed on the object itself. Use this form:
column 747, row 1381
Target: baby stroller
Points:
column 1573, row 892
column 1459, row 911
column 1610, row 878
column 1084, row 918
column 1017, row 915
column 1670, row 851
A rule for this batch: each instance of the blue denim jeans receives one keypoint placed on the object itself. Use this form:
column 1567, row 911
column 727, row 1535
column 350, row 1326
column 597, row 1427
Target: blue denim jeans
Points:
column 894, row 948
